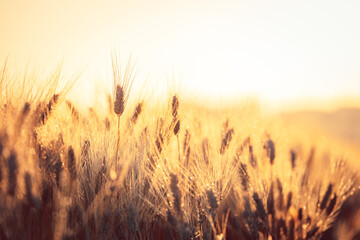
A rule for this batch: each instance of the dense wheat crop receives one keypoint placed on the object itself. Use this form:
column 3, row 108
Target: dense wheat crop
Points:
column 180, row 171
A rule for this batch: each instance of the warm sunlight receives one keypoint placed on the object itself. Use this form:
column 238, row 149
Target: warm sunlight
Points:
column 179, row 120
column 276, row 51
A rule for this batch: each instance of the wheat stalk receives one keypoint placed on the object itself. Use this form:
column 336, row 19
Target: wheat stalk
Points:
column 123, row 81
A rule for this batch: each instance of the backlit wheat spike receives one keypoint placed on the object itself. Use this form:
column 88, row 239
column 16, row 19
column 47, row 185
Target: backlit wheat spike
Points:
column 71, row 164
column 110, row 104
column 100, row 178
column 175, row 106
column 53, row 101
column 44, row 111
column 123, row 81
column 187, row 156
column 107, row 124
column 21, row 118
column 205, row 150
column 74, row 112
column 260, row 209
column 291, row 230
column 331, row 205
column 293, row 159
column 226, row 140
column 252, row 157
column 300, row 222
column 136, row 113
column 132, row 219
column 271, row 150
column 159, row 142
column 311, row 233
column 306, row 175
column 176, row 128
column 176, row 121
column 186, row 140
column 326, row 197
column 12, row 174
column 289, row 200
column 281, row 195
column 26, row 109
column 270, row 200
column 176, row 192
column 186, row 146
column 119, row 103
column 212, row 199
column 225, row 127
column 244, row 176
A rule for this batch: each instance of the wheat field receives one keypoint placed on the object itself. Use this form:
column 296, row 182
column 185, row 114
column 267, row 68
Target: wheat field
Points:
column 168, row 169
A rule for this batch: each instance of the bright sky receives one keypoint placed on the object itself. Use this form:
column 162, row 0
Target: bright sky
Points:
column 278, row 50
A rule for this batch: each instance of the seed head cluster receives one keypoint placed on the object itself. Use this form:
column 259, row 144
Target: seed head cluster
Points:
column 65, row 174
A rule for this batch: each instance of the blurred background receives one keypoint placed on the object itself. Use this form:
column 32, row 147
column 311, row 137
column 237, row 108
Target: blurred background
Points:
column 298, row 58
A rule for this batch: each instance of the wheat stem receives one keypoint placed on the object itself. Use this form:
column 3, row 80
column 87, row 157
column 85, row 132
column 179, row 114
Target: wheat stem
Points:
column 118, row 142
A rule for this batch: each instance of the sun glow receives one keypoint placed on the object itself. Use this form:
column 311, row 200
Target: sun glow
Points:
column 276, row 51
